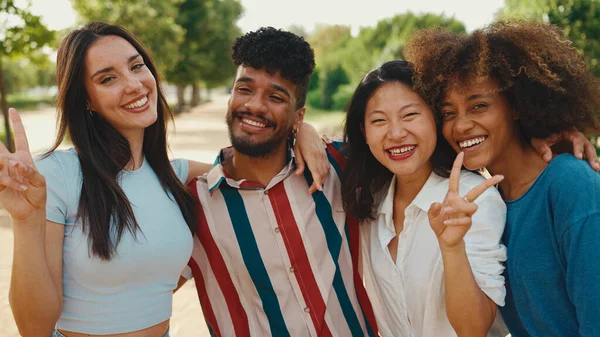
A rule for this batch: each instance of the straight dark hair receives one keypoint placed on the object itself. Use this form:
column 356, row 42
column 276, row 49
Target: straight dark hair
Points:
column 364, row 176
column 103, row 152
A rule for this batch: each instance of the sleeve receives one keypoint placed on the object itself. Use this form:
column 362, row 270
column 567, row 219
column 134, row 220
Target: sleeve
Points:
column 483, row 244
column 581, row 253
column 56, row 189
column 186, row 273
column 181, row 168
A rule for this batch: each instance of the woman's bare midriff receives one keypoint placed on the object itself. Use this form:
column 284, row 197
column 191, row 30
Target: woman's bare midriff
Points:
column 157, row 330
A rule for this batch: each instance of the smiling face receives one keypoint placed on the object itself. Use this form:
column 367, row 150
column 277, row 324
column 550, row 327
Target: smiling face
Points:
column 120, row 87
column 261, row 112
column 400, row 130
column 480, row 122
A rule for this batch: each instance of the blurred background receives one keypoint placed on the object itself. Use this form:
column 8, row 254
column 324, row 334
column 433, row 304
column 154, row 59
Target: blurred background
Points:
column 191, row 42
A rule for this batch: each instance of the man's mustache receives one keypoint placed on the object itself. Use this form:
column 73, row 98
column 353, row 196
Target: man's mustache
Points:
column 266, row 121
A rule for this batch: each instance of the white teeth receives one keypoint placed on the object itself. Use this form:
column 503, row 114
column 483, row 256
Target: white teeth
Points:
column 398, row 151
column 254, row 123
column 471, row 142
column 137, row 104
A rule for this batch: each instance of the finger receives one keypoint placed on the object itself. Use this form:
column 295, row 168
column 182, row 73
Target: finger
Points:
column 474, row 193
column 434, row 210
column 468, row 208
column 542, row 147
column 8, row 182
column 21, row 143
column 464, row 221
column 455, row 173
column 592, row 156
column 300, row 165
column 578, row 140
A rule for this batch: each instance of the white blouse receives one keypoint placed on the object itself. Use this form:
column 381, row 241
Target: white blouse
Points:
column 408, row 296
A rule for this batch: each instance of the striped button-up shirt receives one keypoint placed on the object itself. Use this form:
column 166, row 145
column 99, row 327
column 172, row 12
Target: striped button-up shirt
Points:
column 275, row 260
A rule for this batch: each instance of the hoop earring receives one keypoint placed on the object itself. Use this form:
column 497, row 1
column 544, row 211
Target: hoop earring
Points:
column 90, row 112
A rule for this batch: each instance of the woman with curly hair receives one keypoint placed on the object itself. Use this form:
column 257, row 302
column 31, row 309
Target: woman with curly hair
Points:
column 494, row 90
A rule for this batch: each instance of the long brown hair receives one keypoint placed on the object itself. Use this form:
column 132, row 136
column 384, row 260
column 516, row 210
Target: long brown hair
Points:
column 103, row 152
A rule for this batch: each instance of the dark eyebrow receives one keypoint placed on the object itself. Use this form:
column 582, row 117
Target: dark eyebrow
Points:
column 274, row 86
column 470, row 98
column 283, row 90
column 107, row 69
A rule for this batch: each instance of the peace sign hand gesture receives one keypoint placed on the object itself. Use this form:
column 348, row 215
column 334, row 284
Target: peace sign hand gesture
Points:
column 22, row 188
column 451, row 220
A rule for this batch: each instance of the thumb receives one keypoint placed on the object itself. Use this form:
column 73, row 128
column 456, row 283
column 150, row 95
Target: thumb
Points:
column 434, row 210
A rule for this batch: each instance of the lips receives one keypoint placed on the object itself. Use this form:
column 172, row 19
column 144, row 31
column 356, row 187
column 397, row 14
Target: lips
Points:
column 256, row 121
column 467, row 143
column 137, row 103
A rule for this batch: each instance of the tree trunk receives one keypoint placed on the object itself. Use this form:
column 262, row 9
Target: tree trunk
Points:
column 180, row 99
column 195, row 94
column 4, row 107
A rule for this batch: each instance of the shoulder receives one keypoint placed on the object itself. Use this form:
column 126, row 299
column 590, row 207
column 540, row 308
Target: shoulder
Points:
column 469, row 180
column 181, row 168
column 572, row 186
column 198, row 187
column 58, row 162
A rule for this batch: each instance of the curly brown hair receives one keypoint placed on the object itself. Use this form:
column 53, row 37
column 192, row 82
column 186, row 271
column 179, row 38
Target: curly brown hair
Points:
column 544, row 78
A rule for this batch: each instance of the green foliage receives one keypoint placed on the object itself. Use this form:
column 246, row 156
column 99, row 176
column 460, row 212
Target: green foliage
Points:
column 152, row 21
column 579, row 20
column 342, row 97
column 343, row 59
column 24, row 102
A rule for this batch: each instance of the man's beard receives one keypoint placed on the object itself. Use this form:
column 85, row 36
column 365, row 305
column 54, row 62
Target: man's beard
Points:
column 264, row 149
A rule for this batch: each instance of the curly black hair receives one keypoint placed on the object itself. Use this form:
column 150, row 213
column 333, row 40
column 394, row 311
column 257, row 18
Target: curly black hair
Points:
column 541, row 74
column 277, row 51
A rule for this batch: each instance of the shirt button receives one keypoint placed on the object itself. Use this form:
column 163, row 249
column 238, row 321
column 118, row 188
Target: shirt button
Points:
column 276, row 229
column 307, row 309
column 292, row 269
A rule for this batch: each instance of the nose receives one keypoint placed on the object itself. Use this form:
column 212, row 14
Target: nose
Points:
column 462, row 124
column 397, row 131
column 133, row 84
column 255, row 103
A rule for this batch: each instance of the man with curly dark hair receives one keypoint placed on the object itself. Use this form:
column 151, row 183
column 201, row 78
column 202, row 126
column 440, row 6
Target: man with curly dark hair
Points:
column 270, row 258
column 495, row 89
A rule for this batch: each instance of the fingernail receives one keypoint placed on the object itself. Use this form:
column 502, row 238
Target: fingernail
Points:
column 447, row 222
column 547, row 157
column 23, row 188
column 579, row 155
column 447, row 209
column 597, row 166
column 12, row 163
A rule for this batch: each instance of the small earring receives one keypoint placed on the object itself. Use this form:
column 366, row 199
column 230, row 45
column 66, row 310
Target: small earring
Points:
column 294, row 135
column 90, row 112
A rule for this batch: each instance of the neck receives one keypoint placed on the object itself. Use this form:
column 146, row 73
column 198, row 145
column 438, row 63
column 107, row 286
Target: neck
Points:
column 407, row 187
column 136, row 145
column 261, row 169
column 520, row 165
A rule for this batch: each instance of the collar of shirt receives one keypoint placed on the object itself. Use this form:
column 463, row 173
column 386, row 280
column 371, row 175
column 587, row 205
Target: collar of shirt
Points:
column 217, row 176
column 430, row 193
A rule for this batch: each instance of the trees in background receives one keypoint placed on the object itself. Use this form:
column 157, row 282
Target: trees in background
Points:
column 21, row 34
column 190, row 39
column 579, row 20
column 343, row 59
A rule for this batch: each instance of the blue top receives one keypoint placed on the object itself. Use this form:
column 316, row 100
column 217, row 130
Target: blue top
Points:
column 134, row 290
column 553, row 267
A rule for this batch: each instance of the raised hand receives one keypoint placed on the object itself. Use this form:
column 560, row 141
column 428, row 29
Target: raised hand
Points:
column 22, row 188
column 451, row 220
column 582, row 148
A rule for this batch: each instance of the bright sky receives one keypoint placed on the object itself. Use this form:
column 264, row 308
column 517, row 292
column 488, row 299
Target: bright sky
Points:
column 58, row 14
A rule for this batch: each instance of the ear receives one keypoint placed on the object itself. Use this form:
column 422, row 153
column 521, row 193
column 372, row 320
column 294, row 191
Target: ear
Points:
column 299, row 117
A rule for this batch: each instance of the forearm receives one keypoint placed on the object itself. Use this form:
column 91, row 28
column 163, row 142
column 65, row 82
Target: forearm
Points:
column 34, row 297
column 470, row 312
